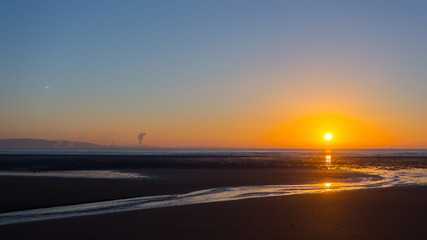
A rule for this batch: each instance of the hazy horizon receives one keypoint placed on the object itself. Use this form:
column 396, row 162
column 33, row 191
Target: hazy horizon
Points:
column 144, row 146
column 234, row 74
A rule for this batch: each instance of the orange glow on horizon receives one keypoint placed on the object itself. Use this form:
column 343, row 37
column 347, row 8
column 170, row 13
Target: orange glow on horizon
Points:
column 348, row 133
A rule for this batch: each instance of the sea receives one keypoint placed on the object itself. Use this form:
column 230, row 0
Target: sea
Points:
column 210, row 151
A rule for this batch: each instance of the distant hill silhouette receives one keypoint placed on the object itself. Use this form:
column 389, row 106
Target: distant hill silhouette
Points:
column 42, row 143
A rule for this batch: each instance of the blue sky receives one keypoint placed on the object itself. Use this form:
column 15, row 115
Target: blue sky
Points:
column 167, row 67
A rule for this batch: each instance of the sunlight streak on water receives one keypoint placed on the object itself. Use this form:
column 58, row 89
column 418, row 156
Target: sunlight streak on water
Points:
column 388, row 178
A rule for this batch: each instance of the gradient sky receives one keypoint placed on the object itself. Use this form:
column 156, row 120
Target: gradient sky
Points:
column 216, row 73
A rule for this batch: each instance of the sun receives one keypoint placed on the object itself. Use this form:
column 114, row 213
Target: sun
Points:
column 328, row 136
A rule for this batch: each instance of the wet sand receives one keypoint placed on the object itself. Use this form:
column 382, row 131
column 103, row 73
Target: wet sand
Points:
column 390, row 213
column 20, row 193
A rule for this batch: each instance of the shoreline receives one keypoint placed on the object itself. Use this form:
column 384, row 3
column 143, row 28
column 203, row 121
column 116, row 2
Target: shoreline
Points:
column 388, row 213
column 203, row 193
column 380, row 213
column 57, row 191
column 49, row 162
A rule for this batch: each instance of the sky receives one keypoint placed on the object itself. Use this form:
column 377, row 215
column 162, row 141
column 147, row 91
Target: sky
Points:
column 262, row 74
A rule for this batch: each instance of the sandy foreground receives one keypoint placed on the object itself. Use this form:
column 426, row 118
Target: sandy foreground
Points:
column 20, row 193
column 389, row 213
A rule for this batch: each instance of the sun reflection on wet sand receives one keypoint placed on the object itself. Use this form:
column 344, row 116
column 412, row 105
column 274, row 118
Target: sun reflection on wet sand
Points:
column 328, row 187
column 377, row 179
column 328, row 161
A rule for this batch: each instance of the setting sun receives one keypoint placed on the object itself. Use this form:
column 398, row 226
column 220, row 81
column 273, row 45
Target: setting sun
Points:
column 328, row 136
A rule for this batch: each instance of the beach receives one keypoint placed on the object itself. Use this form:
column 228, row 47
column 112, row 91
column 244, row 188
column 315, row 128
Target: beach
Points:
column 390, row 213
column 25, row 192
column 372, row 212
column 219, row 120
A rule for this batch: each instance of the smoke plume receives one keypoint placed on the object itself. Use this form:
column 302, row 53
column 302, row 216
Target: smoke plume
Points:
column 141, row 137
